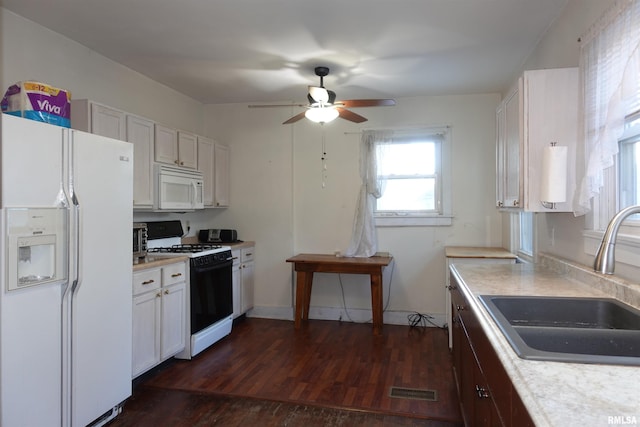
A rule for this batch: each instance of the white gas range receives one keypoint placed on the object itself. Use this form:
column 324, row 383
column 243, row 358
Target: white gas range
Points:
column 210, row 308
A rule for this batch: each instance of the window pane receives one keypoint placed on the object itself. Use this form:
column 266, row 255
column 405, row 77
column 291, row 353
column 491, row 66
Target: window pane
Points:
column 416, row 158
column 629, row 177
column 408, row 195
column 526, row 233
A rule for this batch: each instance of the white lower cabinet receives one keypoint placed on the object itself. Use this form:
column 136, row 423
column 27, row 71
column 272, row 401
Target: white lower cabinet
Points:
column 243, row 280
column 159, row 315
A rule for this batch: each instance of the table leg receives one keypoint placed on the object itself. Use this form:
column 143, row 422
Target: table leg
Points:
column 308, row 282
column 376, row 302
column 300, row 297
column 304, row 280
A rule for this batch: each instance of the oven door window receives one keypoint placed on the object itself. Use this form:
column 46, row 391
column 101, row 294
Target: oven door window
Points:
column 211, row 295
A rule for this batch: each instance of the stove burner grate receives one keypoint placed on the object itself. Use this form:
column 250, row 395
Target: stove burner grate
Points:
column 185, row 248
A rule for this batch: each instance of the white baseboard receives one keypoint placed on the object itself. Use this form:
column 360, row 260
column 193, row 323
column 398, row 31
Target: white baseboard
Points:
column 338, row 313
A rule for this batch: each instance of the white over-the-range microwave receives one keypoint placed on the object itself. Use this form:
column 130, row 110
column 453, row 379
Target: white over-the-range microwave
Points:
column 177, row 189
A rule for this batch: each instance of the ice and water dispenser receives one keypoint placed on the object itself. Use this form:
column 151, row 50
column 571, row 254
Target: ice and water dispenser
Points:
column 36, row 246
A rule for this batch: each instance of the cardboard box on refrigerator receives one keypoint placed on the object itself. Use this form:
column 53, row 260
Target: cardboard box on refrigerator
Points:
column 38, row 101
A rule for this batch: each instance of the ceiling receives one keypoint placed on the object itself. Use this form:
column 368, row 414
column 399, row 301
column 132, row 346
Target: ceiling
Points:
column 237, row 51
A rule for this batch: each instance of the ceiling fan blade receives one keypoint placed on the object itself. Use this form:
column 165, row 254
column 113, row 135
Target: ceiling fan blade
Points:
column 277, row 105
column 355, row 103
column 319, row 94
column 350, row 115
column 295, row 118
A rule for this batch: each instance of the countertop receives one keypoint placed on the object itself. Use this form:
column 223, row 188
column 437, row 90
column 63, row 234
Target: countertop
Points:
column 151, row 262
column 477, row 252
column 558, row 393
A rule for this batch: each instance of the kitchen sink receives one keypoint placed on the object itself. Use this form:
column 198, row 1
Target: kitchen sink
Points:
column 566, row 329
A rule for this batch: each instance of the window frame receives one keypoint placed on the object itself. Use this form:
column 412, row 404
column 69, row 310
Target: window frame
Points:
column 607, row 204
column 442, row 215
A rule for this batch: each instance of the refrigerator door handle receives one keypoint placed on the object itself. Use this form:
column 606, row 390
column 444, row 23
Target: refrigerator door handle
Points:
column 75, row 228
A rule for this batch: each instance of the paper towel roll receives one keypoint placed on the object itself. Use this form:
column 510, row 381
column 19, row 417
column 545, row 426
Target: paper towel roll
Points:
column 553, row 188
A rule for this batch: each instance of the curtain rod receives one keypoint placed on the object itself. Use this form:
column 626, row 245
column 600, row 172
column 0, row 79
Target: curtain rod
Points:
column 400, row 130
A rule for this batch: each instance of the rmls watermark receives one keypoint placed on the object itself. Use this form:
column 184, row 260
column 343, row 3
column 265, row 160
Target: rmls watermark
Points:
column 622, row 420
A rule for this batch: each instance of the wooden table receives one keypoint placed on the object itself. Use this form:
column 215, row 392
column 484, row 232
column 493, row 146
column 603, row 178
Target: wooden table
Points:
column 307, row 264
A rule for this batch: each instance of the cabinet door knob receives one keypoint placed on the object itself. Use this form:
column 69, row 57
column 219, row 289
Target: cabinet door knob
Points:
column 482, row 392
column 500, row 204
column 158, row 295
column 460, row 307
column 516, row 202
column 166, row 291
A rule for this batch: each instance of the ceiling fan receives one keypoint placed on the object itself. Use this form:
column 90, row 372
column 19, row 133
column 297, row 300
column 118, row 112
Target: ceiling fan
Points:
column 323, row 107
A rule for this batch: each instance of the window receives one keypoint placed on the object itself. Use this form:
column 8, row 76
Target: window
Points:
column 610, row 65
column 628, row 164
column 525, row 244
column 414, row 179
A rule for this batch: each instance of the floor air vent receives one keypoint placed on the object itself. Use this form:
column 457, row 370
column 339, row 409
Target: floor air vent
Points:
column 413, row 393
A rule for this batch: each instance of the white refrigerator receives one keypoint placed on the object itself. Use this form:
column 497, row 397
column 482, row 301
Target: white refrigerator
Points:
column 66, row 274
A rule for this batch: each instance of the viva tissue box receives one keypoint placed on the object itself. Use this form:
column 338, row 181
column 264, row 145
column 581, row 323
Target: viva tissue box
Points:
column 38, row 101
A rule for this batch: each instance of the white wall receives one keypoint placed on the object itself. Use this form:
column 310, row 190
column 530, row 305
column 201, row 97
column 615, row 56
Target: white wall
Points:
column 31, row 52
column 278, row 199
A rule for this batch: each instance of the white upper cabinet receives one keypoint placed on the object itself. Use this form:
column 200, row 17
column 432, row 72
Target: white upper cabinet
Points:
column 166, row 145
column 140, row 132
column 542, row 108
column 154, row 142
column 213, row 162
column 205, row 165
column 98, row 119
column 175, row 147
column 222, row 180
column 187, row 150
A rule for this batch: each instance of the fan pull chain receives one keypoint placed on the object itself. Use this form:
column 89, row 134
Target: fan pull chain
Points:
column 324, row 158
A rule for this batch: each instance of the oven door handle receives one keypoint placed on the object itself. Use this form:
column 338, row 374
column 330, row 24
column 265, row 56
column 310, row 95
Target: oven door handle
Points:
column 216, row 266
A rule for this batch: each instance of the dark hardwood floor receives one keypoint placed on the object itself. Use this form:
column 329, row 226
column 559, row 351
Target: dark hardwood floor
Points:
column 326, row 374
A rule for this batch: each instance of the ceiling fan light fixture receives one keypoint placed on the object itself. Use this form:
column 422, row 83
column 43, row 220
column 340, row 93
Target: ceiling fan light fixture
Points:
column 321, row 114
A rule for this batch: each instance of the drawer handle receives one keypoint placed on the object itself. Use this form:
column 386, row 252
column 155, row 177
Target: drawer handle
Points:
column 482, row 392
column 249, row 254
column 176, row 275
column 148, row 282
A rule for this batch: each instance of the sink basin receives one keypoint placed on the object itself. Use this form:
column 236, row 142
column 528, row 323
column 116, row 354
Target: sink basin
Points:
column 582, row 330
column 599, row 313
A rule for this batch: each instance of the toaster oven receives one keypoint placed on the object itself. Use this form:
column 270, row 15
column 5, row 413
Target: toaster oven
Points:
column 139, row 240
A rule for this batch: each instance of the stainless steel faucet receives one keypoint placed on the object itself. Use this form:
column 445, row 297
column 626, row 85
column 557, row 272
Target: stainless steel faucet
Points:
column 605, row 261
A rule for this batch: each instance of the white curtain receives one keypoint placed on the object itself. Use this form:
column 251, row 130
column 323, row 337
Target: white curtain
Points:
column 610, row 73
column 364, row 241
